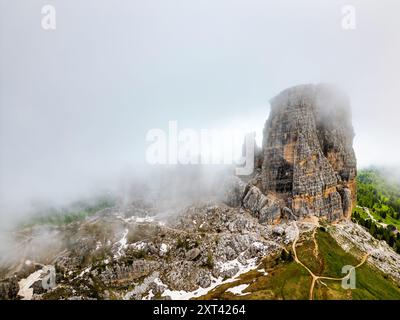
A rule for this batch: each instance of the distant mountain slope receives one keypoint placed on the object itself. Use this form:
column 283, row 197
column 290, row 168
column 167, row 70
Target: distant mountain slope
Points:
column 378, row 200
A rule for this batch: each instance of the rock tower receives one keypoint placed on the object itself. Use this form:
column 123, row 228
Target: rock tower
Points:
column 308, row 161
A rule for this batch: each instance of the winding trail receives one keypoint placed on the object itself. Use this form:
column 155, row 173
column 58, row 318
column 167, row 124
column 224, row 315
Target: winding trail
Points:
column 316, row 278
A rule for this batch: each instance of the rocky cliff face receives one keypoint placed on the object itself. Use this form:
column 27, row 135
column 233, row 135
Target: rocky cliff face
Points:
column 308, row 162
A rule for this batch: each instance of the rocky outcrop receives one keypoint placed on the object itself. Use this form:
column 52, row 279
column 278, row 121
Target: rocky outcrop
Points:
column 9, row 289
column 233, row 190
column 266, row 208
column 354, row 238
column 308, row 160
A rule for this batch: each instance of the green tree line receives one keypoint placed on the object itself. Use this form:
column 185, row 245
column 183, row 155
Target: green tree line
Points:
column 382, row 198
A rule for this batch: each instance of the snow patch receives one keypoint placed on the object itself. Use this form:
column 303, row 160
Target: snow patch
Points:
column 140, row 245
column 263, row 271
column 25, row 290
column 98, row 245
column 164, row 248
column 122, row 244
column 258, row 245
column 141, row 288
column 238, row 289
column 149, row 295
column 215, row 282
column 135, row 219
column 145, row 219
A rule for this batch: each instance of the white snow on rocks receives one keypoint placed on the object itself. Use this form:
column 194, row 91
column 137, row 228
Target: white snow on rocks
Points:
column 265, row 273
column 140, row 245
column 144, row 219
column 142, row 288
column 135, row 219
column 98, row 245
column 25, row 290
column 86, row 270
column 163, row 248
column 215, row 282
column 149, row 295
column 238, row 290
column 122, row 244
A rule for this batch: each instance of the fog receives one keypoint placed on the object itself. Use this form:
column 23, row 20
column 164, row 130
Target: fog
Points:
column 77, row 102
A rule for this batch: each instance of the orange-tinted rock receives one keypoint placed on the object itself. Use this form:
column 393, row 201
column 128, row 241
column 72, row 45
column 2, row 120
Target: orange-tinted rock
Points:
column 308, row 158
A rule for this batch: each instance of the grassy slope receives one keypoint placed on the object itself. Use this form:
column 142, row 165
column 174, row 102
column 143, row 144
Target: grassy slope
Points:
column 370, row 283
column 379, row 195
column 388, row 220
column 285, row 280
column 75, row 212
column 288, row 280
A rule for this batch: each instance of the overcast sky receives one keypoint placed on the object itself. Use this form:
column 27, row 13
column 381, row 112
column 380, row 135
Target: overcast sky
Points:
column 76, row 102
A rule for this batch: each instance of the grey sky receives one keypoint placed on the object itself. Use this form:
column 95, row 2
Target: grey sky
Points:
column 76, row 102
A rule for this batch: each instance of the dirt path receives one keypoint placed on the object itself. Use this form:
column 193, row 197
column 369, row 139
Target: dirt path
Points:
column 373, row 219
column 316, row 278
column 316, row 249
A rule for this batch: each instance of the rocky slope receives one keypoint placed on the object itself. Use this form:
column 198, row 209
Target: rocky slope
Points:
column 120, row 254
column 352, row 237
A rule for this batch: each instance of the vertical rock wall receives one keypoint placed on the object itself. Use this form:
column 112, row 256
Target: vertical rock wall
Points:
column 308, row 158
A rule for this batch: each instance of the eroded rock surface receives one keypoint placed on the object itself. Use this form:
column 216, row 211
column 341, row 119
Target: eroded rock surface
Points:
column 308, row 159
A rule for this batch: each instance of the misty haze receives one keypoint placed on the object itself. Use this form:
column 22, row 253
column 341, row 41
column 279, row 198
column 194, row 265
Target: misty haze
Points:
column 124, row 129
